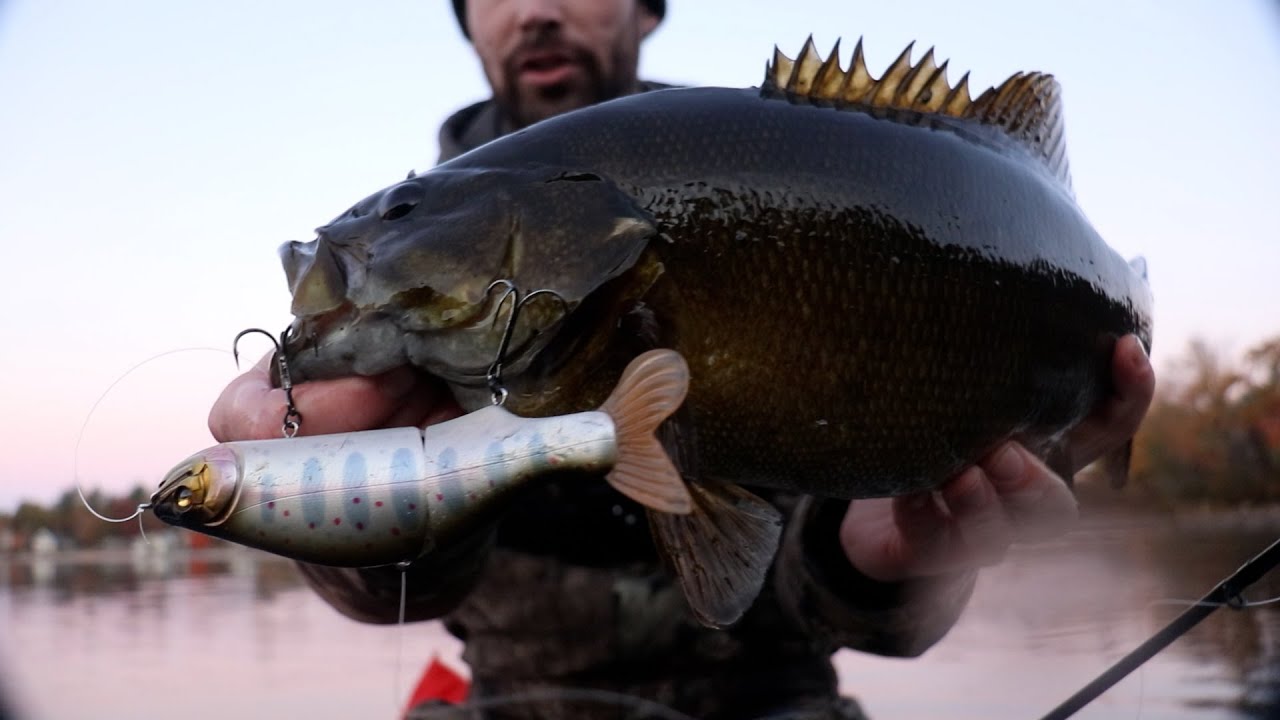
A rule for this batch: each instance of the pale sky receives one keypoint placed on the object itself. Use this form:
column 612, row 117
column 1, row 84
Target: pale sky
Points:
column 154, row 154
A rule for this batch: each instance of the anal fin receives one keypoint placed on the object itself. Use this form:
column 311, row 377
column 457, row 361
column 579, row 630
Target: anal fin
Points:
column 721, row 551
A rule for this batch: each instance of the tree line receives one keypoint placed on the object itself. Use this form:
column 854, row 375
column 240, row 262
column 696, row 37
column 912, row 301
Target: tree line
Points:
column 68, row 518
column 1212, row 435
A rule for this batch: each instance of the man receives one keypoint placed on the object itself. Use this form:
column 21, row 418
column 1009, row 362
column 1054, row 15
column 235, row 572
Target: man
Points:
column 545, row 58
column 559, row 626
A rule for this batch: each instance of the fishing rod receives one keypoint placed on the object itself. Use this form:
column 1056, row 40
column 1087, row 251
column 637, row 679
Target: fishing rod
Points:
column 1225, row 593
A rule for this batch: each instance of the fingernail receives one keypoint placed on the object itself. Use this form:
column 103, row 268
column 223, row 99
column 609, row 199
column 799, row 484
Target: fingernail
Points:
column 1007, row 466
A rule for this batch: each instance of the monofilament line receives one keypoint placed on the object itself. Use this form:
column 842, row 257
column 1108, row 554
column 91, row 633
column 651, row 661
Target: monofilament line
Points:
column 404, row 582
column 89, row 416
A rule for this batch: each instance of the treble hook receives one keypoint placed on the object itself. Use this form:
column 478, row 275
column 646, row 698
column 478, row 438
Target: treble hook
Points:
column 292, row 418
column 493, row 377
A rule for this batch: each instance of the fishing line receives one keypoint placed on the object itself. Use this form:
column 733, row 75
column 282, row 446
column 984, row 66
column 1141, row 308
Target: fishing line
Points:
column 142, row 507
column 1226, row 593
column 1235, row 603
column 404, row 582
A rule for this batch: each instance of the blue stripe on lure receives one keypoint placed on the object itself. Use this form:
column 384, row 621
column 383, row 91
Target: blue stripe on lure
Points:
column 384, row 496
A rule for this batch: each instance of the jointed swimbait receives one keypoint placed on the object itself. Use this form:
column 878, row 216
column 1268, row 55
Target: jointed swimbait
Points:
column 385, row 496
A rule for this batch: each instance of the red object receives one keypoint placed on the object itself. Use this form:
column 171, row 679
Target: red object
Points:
column 439, row 682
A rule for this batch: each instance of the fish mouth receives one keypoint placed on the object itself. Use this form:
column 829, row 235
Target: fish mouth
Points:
column 348, row 341
column 340, row 343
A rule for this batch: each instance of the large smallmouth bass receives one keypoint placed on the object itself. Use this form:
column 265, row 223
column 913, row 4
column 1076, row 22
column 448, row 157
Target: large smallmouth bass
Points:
column 874, row 282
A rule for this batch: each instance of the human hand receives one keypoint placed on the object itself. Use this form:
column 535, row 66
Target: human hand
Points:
column 1010, row 496
column 249, row 408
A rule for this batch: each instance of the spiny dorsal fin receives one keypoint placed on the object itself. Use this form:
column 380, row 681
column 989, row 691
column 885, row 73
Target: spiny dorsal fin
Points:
column 1027, row 107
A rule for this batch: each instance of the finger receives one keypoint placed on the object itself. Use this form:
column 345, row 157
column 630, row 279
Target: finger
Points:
column 1116, row 420
column 351, row 403
column 1036, row 502
column 251, row 409
column 924, row 525
column 232, row 417
column 978, row 517
column 890, row 539
column 429, row 402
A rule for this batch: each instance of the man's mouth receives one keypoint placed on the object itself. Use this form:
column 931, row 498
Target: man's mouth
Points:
column 546, row 68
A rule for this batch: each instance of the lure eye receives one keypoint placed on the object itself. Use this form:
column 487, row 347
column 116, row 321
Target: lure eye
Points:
column 399, row 201
column 200, row 489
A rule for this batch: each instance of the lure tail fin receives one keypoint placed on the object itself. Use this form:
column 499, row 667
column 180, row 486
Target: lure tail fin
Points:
column 651, row 388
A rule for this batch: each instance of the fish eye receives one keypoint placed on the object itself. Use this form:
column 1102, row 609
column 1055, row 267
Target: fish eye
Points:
column 399, row 201
column 184, row 497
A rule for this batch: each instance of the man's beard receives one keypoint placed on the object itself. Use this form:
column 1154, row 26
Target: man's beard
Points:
column 525, row 106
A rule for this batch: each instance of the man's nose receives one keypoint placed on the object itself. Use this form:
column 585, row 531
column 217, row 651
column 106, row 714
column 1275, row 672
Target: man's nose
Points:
column 538, row 13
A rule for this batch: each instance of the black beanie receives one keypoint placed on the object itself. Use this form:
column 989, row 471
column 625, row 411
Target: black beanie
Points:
column 657, row 7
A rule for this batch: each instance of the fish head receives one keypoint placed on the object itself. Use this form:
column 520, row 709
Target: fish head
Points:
column 201, row 490
column 419, row 273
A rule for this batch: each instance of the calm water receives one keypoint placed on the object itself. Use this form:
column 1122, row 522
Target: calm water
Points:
column 235, row 635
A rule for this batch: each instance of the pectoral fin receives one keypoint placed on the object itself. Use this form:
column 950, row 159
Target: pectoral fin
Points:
column 722, row 548
column 721, row 551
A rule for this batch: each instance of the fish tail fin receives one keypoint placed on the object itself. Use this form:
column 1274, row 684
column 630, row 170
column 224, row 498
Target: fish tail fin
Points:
column 651, row 388
column 721, row 551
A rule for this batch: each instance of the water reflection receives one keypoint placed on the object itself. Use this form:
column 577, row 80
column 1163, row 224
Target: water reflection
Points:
column 1245, row 643
column 1052, row 617
column 91, row 635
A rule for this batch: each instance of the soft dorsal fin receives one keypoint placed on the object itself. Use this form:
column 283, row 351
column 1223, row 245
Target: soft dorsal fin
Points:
column 1027, row 107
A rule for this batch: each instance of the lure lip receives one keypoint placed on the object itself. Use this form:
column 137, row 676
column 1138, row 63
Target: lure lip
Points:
column 201, row 490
